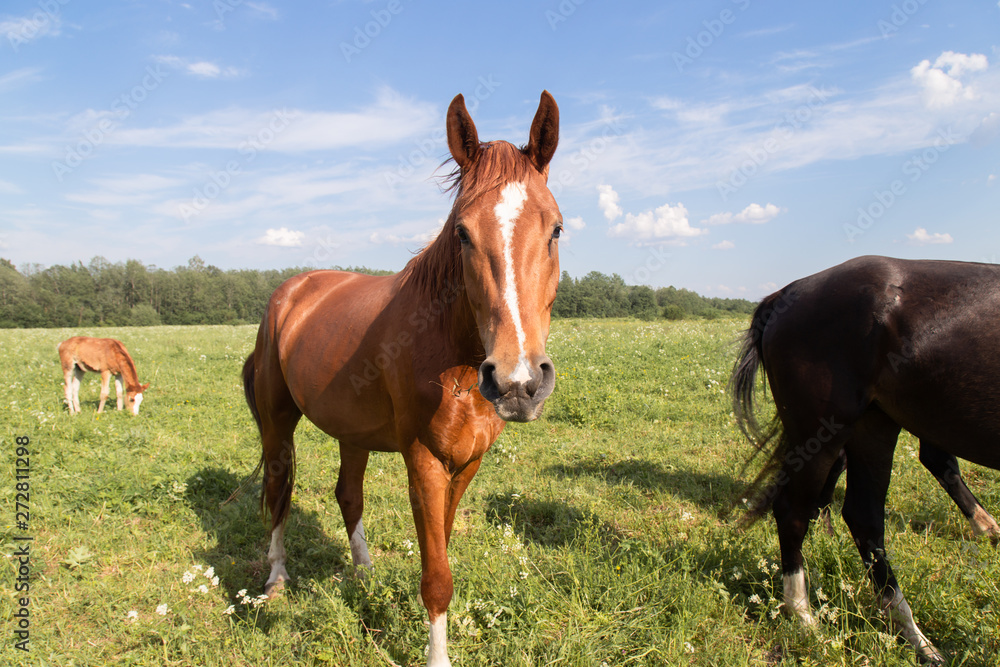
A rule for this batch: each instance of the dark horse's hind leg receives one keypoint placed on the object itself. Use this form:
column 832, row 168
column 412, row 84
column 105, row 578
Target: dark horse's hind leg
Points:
column 350, row 497
column 944, row 467
column 869, row 455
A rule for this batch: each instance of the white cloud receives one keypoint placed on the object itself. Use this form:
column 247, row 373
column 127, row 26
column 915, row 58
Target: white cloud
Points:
column 921, row 237
column 607, row 201
column 284, row 237
column 391, row 118
column 201, row 68
column 940, row 84
column 576, row 224
column 666, row 223
column 8, row 188
column 754, row 214
column 724, row 245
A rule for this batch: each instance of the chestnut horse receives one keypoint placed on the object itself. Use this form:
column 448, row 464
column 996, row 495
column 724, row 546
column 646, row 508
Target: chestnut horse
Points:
column 106, row 356
column 853, row 355
column 429, row 362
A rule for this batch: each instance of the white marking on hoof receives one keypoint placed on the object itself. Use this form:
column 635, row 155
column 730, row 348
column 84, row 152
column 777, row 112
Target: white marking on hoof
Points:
column 902, row 620
column 277, row 557
column 359, row 549
column 797, row 597
column 984, row 524
column 437, row 644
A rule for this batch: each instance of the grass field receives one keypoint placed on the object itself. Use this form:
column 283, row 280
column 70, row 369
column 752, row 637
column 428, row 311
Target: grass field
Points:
column 594, row 536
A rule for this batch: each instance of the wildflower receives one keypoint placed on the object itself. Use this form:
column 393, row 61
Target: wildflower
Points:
column 820, row 595
column 215, row 582
column 686, row 516
column 131, row 616
column 229, row 610
column 241, row 593
column 162, row 610
column 210, row 572
column 688, row 648
column 737, row 574
column 203, row 588
column 188, row 577
column 755, row 599
column 196, row 568
column 259, row 600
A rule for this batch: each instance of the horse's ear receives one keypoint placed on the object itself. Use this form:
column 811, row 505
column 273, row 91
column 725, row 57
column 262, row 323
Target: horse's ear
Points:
column 544, row 136
column 143, row 388
column 463, row 140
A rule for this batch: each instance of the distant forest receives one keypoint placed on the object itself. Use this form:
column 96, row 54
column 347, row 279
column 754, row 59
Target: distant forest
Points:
column 102, row 293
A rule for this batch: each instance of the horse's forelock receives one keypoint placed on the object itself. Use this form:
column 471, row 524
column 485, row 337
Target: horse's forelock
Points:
column 497, row 163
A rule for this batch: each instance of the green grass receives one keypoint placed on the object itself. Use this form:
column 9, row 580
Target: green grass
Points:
column 593, row 536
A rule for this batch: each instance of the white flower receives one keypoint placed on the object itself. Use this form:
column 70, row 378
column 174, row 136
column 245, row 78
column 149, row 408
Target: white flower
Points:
column 162, row 610
column 131, row 616
column 241, row 593
column 215, row 581
column 203, row 588
column 210, row 572
column 688, row 647
column 755, row 599
column 229, row 610
column 188, row 577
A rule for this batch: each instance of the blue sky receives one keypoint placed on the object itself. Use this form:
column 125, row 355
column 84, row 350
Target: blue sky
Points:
column 728, row 147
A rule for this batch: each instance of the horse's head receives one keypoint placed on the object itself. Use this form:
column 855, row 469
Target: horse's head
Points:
column 134, row 397
column 508, row 225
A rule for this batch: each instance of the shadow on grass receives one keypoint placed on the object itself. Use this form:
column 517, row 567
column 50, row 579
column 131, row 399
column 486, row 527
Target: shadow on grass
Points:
column 241, row 538
column 547, row 523
column 709, row 490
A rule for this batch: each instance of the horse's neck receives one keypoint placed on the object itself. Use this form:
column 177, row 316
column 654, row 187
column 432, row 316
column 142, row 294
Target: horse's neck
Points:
column 126, row 367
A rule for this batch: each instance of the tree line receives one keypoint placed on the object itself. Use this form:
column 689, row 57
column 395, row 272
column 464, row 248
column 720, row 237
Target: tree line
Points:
column 102, row 293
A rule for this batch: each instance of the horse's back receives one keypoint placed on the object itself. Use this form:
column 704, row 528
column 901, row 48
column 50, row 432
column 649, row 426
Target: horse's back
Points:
column 918, row 338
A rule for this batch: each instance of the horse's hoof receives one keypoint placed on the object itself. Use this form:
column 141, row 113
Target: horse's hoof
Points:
column 274, row 589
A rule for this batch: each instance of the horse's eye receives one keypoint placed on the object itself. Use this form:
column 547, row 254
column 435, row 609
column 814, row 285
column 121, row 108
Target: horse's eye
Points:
column 557, row 232
column 463, row 235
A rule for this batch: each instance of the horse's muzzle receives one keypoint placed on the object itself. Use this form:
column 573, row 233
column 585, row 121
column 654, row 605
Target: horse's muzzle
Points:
column 519, row 396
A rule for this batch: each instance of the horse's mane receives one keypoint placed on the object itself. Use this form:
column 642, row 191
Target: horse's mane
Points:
column 125, row 363
column 437, row 269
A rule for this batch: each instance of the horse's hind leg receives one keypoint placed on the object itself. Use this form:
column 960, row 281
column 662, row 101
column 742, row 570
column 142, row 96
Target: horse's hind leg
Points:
column 944, row 467
column 350, row 497
column 278, row 418
column 77, row 380
column 69, row 376
column 869, row 455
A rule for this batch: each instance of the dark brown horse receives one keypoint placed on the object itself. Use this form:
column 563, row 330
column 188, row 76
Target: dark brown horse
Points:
column 429, row 362
column 852, row 355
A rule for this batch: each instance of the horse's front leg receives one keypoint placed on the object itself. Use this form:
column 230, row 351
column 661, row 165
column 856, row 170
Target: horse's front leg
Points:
column 429, row 485
column 105, row 389
column 118, row 391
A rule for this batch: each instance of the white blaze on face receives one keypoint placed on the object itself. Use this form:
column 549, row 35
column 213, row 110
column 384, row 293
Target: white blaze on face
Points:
column 507, row 211
column 135, row 406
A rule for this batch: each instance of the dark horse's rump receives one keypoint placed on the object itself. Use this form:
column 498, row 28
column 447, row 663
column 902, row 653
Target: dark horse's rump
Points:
column 852, row 355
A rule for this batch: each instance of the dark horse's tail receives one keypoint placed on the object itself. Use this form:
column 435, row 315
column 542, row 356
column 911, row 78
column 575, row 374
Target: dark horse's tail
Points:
column 248, row 391
column 767, row 438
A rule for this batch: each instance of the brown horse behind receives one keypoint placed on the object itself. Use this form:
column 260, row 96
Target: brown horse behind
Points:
column 429, row 362
column 106, row 356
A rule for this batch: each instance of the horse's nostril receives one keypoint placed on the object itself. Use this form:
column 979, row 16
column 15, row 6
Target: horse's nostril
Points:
column 487, row 381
